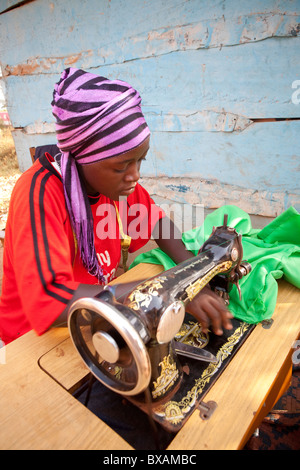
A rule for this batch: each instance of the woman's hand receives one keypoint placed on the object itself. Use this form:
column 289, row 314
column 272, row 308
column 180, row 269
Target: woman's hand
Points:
column 210, row 310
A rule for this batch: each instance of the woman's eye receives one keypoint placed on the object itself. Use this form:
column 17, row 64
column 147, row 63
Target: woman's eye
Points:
column 119, row 170
column 123, row 169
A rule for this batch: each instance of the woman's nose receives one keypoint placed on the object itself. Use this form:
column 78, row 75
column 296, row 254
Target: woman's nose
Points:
column 133, row 172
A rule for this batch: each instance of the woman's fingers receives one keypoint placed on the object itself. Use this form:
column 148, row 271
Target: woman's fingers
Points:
column 210, row 310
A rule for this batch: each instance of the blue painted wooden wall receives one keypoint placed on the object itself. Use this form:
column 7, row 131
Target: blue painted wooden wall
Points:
column 220, row 82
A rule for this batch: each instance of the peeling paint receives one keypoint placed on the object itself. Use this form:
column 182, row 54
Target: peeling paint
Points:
column 211, row 33
column 199, row 121
column 23, row 141
column 39, row 127
column 37, row 66
column 206, row 121
column 181, row 188
column 213, row 194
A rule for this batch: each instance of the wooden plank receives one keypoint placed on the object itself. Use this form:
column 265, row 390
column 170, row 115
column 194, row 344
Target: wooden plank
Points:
column 164, row 28
column 251, row 84
column 36, row 413
column 257, row 169
column 254, row 158
column 62, row 365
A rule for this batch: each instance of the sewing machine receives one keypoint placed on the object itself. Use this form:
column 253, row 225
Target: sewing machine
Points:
column 136, row 348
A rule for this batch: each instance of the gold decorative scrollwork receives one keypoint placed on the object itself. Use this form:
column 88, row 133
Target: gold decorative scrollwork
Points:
column 173, row 412
column 193, row 289
column 180, row 409
column 168, row 376
column 191, row 333
column 143, row 294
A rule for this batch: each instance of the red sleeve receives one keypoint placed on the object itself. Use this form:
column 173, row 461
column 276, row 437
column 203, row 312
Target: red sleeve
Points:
column 143, row 215
column 42, row 252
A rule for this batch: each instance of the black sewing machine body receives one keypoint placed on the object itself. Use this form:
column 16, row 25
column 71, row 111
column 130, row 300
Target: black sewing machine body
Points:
column 132, row 347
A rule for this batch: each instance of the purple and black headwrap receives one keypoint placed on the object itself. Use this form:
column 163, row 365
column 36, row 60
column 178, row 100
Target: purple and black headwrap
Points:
column 96, row 118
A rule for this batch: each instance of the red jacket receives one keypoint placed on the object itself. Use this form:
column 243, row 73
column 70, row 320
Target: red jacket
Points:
column 41, row 265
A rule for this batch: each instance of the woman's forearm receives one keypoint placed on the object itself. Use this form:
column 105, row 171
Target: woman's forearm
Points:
column 169, row 239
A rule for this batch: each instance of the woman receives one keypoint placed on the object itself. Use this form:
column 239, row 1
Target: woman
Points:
column 57, row 244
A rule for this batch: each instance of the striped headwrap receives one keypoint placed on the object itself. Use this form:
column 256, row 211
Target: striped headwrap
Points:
column 96, row 118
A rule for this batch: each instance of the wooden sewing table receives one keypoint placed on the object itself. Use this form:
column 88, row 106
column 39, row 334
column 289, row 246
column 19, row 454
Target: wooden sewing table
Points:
column 38, row 412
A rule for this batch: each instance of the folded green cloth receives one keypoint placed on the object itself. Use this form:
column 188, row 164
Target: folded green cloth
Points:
column 273, row 252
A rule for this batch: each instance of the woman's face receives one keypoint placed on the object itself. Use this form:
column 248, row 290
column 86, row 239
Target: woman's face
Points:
column 115, row 176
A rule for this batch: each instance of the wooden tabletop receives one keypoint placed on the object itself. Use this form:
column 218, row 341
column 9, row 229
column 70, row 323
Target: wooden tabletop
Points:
column 38, row 412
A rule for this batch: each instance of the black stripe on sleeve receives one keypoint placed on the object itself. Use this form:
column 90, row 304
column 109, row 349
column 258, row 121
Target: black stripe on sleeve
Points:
column 35, row 237
column 45, row 238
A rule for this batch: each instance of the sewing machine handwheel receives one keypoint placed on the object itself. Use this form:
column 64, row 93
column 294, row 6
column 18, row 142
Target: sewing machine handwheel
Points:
column 111, row 341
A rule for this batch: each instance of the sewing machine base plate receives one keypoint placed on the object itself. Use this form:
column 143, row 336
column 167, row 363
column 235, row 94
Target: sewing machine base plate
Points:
column 198, row 376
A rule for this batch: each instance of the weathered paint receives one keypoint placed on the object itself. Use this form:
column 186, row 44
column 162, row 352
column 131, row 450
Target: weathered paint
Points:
column 249, row 81
column 213, row 194
column 256, row 154
column 8, row 4
column 208, row 73
column 217, row 33
column 107, row 32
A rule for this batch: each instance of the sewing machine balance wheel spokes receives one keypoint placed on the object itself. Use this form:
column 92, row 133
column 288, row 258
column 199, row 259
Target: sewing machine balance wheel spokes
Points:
column 111, row 343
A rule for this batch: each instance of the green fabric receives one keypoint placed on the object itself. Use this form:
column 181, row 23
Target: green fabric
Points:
column 274, row 253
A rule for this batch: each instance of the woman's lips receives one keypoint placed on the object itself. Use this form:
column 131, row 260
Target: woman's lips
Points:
column 127, row 191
